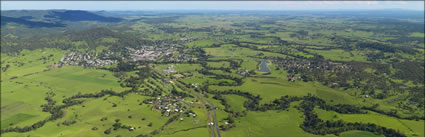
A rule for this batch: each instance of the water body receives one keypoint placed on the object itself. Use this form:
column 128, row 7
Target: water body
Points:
column 263, row 66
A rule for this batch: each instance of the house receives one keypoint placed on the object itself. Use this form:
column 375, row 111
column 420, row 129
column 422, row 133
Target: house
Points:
column 170, row 69
column 177, row 76
column 243, row 72
column 194, row 85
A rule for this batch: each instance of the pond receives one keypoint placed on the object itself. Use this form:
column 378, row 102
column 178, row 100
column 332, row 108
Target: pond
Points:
column 263, row 66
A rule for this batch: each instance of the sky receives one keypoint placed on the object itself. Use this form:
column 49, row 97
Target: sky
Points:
column 212, row 5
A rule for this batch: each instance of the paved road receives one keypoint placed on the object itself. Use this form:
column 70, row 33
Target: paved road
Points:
column 215, row 118
column 203, row 100
column 208, row 113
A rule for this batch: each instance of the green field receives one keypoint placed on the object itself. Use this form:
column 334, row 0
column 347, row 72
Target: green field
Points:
column 236, row 102
column 358, row 134
column 265, row 124
column 223, row 64
column 341, row 55
column 409, row 127
column 201, row 43
column 67, row 73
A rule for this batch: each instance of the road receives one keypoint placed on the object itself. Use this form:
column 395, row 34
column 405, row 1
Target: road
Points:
column 216, row 132
column 214, row 116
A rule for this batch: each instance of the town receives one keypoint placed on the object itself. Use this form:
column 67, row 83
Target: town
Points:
column 295, row 66
column 162, row 52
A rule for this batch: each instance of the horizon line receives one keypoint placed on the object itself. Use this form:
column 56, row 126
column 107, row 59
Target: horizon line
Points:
column 229, row 9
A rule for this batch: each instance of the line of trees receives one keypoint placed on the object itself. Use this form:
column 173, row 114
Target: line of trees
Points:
column 313, row 124
column 56, row 111
column 238, row 81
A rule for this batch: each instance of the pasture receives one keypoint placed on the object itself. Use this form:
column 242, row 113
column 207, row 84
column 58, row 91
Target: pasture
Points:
column 409, row 127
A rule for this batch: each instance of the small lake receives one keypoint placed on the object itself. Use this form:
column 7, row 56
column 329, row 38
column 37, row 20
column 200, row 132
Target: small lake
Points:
column 263, row 66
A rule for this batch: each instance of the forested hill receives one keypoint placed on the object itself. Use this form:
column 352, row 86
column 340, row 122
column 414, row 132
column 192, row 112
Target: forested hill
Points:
column 28, row 23
column 78, row 15
column 55, row 15
column 86, row 39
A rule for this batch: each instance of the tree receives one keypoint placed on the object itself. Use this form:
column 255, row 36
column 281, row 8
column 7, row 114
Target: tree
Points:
column 107, row 131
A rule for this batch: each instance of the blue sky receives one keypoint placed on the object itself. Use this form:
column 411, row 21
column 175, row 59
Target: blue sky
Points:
column 212, row 5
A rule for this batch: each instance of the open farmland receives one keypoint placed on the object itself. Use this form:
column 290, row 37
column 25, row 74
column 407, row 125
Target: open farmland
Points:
column 212, row 74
